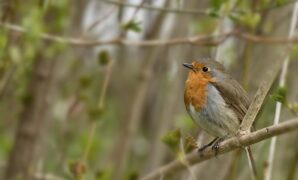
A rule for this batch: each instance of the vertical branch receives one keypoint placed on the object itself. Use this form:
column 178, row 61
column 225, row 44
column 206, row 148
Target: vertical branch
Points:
column 282, row 81
column 101, row 106
column 23, row 158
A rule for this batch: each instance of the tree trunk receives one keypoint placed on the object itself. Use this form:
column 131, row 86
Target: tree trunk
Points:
column 23, row 158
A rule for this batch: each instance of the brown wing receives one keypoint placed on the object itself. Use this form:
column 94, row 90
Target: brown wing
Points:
column 234, row 95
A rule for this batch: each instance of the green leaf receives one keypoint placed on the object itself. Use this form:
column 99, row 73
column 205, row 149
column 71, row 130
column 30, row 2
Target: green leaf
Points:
column 248, row 19
column 133, row 175
column 216, row 4
column 103, row 57
column 95, row 113
column 213, row 13
column 172, row 139
column 103, row 174
column 132, row 25
column 279, row 3
column 280, row 95
column 85, row 81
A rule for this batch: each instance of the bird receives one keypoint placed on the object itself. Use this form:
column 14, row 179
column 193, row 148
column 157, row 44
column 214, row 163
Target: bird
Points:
column 216, row 102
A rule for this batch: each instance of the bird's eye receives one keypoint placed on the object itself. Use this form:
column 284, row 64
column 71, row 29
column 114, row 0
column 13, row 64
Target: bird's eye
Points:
column 205, row 69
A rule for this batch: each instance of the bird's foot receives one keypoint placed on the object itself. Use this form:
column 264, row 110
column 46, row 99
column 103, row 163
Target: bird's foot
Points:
column 215, row 146
column 201, row 149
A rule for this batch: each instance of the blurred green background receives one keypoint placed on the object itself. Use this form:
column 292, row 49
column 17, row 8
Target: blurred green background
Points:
column 89, row 88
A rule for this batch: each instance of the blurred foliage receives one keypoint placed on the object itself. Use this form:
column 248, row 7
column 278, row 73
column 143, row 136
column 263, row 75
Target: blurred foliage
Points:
column 79, row 74
column 172, row 140
column 280, row 95
column 104, row 57
column 132, row 25
column 190, row 144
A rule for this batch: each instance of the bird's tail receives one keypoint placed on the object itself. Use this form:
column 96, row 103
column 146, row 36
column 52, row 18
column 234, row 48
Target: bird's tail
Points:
column 251, row 162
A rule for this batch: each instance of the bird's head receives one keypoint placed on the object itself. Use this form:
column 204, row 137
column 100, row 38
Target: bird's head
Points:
column 204, row 71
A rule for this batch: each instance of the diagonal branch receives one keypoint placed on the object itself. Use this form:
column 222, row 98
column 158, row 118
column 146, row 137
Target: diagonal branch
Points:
column 226, row 146
column 260, row 96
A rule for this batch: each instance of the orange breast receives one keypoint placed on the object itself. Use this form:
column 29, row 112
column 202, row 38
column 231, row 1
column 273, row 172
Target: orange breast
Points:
column 195, row 91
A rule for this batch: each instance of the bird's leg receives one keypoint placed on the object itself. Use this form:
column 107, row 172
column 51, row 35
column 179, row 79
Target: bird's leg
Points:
column 215, row 146
column 207, row 145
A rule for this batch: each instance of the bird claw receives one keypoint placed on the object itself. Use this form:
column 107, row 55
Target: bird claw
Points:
column 201, row 149
column 215, row 146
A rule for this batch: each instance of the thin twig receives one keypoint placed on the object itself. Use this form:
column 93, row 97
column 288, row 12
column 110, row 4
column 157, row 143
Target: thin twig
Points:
column 103, row 91
column 100, row 107
column 282, row 81
column 100, row 20
column 226, row 146
column 198, row 40
column 89, row 141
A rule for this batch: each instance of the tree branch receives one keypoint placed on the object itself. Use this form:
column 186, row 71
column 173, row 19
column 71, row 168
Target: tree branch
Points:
column 198, row 40
column 260, row 96
column 226, row 146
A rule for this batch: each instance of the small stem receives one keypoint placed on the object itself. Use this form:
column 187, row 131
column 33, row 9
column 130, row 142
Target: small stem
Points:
column 101, row 104
column 90, row 141
column 104, row 88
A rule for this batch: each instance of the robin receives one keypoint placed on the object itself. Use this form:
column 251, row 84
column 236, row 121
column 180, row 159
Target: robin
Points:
column 215, row 101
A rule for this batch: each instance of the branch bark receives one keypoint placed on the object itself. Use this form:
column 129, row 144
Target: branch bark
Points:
column 226, row 146
column 260, row 96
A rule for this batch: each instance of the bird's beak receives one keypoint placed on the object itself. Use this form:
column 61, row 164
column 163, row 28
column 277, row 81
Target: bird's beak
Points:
column 187, row 65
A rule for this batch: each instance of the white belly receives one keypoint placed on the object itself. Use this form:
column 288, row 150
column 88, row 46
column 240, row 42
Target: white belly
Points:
column 216, row 117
